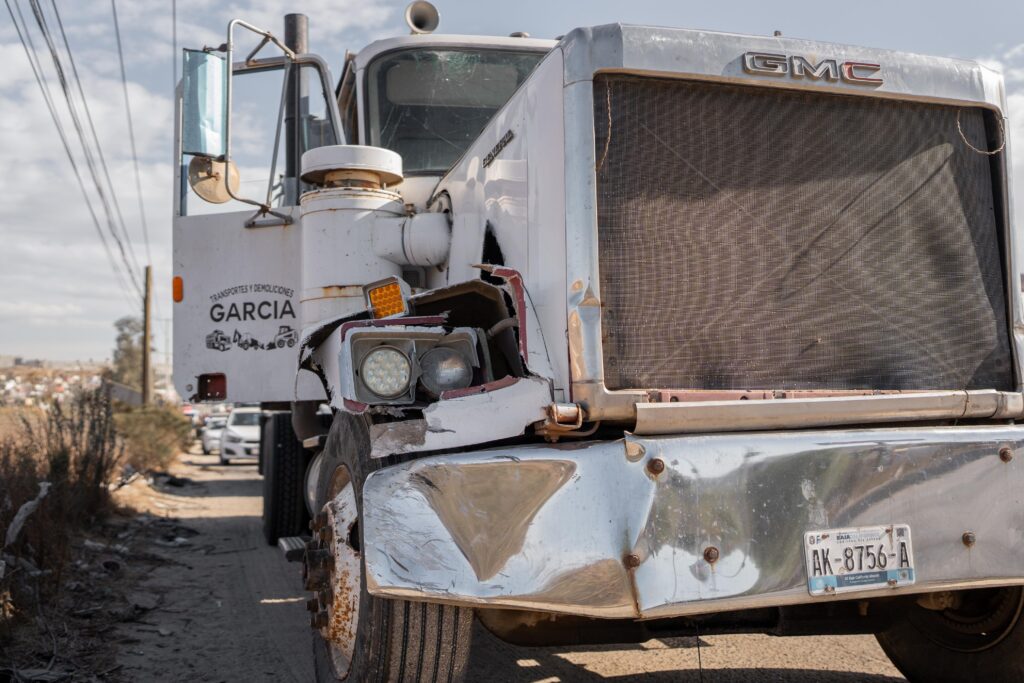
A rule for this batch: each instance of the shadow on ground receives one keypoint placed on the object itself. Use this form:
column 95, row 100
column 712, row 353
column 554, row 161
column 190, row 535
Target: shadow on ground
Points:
column 498, row 662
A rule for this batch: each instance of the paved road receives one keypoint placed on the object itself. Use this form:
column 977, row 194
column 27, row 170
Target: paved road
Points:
column 239, row 615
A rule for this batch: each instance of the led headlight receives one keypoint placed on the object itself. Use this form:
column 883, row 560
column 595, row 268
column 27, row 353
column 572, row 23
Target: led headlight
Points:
column 386, row 372
column 443, row 369
column 232, row 438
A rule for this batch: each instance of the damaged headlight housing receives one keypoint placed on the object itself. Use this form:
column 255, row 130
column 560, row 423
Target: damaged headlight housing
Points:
column 405, row 365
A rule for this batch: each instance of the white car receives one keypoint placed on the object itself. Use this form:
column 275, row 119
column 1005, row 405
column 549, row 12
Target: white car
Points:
column 211, row 432
column 241, row 436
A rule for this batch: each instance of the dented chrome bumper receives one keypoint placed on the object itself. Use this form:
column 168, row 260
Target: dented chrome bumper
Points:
column 621, row 528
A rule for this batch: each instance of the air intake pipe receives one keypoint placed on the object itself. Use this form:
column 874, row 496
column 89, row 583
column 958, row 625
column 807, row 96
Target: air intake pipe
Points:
column 355, row 229
column 339, row 219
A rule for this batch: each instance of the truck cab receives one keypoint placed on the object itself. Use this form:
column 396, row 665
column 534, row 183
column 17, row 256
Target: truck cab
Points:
column 426, row 97
column 639, row 331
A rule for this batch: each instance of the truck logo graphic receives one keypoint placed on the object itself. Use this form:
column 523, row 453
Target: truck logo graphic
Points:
column 218, row 340
column 286, row 336
column 246, row 341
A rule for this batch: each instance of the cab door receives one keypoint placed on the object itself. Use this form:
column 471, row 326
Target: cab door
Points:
column 236, row 235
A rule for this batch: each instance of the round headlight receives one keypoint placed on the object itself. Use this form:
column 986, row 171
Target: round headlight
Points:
column 386, row 372
column 444, row 369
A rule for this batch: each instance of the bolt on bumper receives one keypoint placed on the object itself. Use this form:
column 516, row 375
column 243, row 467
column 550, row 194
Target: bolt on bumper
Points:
column 670, row 526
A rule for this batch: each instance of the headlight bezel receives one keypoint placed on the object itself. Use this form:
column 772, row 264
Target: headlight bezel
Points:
column 414, row 342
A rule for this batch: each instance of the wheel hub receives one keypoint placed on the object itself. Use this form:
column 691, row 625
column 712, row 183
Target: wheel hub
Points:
column 332, row 570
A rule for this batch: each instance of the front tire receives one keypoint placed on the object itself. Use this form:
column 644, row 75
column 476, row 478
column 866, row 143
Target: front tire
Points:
column 979, row 639
column 360, row 637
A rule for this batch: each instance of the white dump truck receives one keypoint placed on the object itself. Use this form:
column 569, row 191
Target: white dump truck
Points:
column 634, row 333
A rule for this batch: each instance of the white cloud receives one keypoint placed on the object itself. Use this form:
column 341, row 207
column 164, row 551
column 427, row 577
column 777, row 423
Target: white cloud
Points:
column 60, row 294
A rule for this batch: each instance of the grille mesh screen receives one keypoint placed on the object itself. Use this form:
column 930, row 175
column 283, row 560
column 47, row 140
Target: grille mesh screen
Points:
column 754, row 238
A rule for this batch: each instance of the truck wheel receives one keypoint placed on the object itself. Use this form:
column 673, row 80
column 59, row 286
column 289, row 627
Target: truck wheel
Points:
column 359, row 637
column 284, row 473
column 980, row 639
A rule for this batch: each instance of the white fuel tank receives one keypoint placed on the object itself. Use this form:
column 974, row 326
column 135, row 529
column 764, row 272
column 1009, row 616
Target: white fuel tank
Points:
column 338, row 220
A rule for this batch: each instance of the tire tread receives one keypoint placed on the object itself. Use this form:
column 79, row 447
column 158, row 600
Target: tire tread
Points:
column 406, row 641
column 284, row 465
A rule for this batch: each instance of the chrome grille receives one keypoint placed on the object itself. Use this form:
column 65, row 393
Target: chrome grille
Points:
column 760, row 238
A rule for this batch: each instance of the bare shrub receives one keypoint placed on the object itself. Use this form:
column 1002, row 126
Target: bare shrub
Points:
column 74, row 447
column 153, row 436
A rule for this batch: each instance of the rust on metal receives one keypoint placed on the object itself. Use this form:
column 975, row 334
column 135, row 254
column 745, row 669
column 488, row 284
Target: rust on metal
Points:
column 711, row 554
column 968, row 538
column 341, row 624
column 1006, row 454
column 632, row 561
column 655, row 466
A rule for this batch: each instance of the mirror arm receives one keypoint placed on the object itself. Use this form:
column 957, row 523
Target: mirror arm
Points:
column 267, row 37
column 264, row 209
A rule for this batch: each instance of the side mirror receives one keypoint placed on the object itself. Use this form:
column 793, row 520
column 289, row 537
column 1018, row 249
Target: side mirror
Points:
column 204, row 104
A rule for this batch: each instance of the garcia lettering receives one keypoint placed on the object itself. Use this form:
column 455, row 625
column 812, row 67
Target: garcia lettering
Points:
column 252, row 310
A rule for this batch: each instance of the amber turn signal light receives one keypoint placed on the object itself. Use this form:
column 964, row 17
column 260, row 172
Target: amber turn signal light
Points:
column 387, row 298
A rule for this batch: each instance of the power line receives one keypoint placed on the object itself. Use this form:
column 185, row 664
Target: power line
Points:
column 95, row 136
column 87, row 152
column 131, row 130
column 30, row 54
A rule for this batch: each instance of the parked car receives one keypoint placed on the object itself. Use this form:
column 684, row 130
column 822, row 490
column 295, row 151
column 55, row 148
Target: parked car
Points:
column 241, row 436
column 211, row 433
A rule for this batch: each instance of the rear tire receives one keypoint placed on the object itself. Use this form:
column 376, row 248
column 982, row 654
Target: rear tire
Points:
column 389, row 640
column 980, row 640
column 284, row 473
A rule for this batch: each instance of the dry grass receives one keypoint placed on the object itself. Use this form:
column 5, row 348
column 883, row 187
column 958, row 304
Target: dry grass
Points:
column 153, row 436
column 12, row 420
column 75, row 448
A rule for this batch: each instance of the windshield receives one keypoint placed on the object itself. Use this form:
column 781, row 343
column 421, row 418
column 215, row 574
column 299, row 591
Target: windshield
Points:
column 245, row 419
column 429, row 105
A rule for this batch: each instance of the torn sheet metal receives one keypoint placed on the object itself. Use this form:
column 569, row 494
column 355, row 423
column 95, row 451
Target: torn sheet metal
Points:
column 532, row 346
column 623, row 528
column 501, row 413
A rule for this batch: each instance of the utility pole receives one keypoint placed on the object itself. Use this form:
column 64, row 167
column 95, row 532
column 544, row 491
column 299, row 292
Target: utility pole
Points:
column 147, row 323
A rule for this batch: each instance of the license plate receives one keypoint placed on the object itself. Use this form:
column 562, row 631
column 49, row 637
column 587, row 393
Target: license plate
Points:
column 862, row 558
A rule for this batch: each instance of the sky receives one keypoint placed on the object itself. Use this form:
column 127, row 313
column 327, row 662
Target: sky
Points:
column 59, row 296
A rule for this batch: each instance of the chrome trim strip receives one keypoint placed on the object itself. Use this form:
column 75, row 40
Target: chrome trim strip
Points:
column 790, row 413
